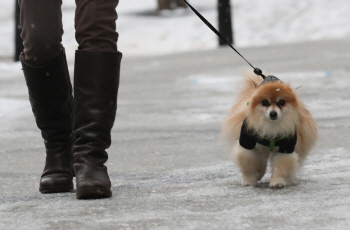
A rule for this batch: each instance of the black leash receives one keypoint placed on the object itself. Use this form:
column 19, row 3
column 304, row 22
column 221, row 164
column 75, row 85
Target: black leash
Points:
column 257, row 71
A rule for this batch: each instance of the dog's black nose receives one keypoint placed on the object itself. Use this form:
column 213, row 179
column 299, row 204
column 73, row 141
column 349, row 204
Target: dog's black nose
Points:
column 273, row 115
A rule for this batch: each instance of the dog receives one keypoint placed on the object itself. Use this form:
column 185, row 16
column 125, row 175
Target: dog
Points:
column 269, row 121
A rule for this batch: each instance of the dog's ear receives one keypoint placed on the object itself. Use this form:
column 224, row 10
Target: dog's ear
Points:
column 253, row 83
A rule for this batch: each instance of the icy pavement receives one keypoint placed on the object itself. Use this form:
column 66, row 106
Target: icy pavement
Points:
column 167, row 164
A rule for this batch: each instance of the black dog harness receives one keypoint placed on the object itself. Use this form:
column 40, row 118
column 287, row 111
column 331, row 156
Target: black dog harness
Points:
column 248, row 140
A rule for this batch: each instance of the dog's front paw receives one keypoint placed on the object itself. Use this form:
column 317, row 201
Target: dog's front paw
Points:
column 279, row 183
column 249, row 182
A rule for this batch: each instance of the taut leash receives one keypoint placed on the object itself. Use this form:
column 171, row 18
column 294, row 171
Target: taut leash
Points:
column 257, row 71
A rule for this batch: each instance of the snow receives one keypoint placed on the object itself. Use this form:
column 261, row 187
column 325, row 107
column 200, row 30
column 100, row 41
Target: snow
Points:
column 144, row 32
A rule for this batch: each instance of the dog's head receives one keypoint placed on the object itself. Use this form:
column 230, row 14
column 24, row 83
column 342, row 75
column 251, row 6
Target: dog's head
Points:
column 273, row 109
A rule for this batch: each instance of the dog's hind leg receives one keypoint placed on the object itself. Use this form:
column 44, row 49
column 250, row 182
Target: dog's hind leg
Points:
column 284, row 168
column 252, row 163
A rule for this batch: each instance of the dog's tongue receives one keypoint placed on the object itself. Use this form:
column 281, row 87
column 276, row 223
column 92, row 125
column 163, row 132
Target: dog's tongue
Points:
column 269, row 78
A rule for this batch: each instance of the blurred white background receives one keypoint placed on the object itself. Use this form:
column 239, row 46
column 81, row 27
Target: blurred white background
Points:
column 145, row 32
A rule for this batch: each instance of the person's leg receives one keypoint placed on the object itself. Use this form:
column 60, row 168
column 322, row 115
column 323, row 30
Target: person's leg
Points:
column 50, row 92
column 42, row 30
column 96, row 81
column 95, row 25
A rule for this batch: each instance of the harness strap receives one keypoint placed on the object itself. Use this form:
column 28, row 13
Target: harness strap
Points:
column 273, row 142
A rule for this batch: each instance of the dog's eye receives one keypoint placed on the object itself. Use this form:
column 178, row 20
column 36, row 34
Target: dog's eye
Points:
column 265, row 102
column 281, row 102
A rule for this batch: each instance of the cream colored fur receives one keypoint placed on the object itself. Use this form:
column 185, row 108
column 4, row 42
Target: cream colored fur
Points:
column 252, row 163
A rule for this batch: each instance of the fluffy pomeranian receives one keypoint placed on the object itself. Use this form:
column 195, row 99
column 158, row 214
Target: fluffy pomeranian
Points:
column 269, row 121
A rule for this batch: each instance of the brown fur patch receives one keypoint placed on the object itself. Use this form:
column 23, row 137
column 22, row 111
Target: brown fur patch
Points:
column 274, row 91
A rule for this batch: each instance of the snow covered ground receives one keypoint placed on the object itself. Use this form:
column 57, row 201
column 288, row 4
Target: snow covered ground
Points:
column 256, row 23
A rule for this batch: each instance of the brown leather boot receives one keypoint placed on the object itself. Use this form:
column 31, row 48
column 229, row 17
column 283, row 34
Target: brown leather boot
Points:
column 50, row 95
column 96, row 81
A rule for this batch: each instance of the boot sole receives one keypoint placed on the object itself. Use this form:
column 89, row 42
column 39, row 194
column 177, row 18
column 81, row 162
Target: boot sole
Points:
column 93, row 193
column 56, row 189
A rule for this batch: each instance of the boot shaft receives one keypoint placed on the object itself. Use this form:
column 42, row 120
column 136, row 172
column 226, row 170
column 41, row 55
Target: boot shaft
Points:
column 96, row 82
column 50, row 95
